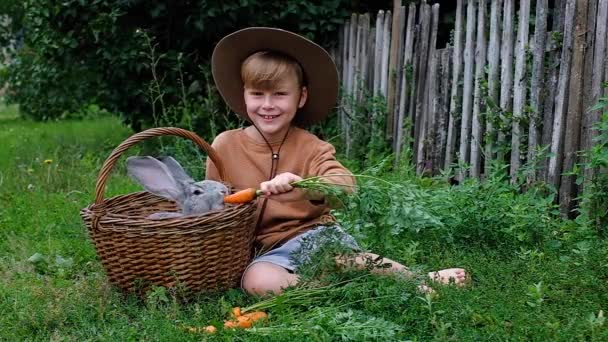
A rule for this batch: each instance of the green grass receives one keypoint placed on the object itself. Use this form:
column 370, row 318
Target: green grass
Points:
column 552, row 288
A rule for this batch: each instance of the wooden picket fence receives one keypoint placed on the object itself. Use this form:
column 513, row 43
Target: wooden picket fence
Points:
column 501, row 90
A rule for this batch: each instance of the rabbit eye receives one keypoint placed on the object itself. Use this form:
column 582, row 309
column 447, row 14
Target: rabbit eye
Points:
column 197, row 192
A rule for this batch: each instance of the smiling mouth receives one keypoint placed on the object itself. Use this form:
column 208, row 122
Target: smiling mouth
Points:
column 269, row 117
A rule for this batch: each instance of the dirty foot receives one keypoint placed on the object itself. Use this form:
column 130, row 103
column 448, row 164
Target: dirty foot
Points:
column 456, row 276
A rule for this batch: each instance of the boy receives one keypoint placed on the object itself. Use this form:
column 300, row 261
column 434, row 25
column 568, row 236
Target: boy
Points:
column 279, row 81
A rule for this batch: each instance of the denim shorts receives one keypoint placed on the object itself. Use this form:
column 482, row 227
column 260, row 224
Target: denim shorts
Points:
column 313, row 239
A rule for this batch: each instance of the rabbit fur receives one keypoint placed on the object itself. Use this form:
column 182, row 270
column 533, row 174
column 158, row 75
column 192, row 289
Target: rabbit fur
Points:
column 165, row 177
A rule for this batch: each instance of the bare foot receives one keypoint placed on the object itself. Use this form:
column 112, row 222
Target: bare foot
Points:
column 456, row 276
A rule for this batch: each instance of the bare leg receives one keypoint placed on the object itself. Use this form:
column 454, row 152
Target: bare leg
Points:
column 264, row 277
column 446, row 276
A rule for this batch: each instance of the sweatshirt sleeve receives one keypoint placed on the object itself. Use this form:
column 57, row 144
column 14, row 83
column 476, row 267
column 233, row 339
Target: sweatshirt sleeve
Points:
column 325, row 163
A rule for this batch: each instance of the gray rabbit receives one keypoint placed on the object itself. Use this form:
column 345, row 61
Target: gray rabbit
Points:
column 165, row 177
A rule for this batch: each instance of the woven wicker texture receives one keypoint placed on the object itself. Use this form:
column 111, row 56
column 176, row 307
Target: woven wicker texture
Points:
column 199, row 252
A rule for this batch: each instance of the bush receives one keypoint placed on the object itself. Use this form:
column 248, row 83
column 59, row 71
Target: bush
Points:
column 81, row 52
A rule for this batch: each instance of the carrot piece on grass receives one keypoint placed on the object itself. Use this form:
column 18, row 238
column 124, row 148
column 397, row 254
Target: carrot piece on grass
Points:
column 210, row 329
column 236, row 312
column 230, row 324
column 243, row 196
column 245, row 321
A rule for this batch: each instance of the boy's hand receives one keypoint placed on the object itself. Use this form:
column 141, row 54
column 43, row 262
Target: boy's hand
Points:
column 280, row 189
column 279, row 184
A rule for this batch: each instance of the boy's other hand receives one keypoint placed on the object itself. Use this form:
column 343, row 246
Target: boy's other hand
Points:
column 279, row 184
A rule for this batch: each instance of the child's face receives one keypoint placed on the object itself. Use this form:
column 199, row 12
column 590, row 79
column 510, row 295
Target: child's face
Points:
column 272, row 110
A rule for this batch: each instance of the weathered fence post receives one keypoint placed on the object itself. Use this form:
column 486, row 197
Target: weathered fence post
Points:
column 467, row 93
column 538, row 60
column 386, row 42
column 407, row 80
column 554, row 170
column 567, row 189
column 480, row 64
column 454, row 98
column 392, row 66
column 493, row 79
column 421, row 75
column 428, row 112
column 519, row 86
column 378, row 52
column 506, row 72
column 599, row 58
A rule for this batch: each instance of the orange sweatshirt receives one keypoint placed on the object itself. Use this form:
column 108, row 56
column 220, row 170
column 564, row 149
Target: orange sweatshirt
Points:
column 248, row 162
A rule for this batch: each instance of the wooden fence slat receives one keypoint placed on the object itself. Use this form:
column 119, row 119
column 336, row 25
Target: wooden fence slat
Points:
column 378, row 52
column 444, row 109
column 407, row 79
column 363, row 61
column 554, row 169
column 358, row 43
column 392, row 66
column 454, row 98
column 371, row 58
column 506, row 71
column 559, row 9
column 386, row 42
column 520, row 86
column 422, row 74
column 599, row 56
column 480, row 59
column 398, row 74
column 427, row 116
column 588, row 64
column 352, row 41
column 606, row 66
column 416, row 79
column 538, row 62
column 493, row 79
column 344, row 76
column 467, row 93
column 567, row 189
column 550, row 86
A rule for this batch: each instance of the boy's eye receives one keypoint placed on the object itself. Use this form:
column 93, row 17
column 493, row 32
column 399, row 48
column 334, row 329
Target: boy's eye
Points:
column 281, row 93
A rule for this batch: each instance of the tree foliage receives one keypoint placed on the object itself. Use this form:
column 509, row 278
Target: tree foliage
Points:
column 81, row 52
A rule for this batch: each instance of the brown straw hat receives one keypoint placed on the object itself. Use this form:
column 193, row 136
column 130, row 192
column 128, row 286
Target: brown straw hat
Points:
column 319, row 69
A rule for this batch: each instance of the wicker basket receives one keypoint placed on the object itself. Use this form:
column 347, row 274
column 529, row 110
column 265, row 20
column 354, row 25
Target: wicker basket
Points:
column 202, row 253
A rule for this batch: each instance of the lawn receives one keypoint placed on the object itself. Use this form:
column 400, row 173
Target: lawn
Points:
column 534, row 276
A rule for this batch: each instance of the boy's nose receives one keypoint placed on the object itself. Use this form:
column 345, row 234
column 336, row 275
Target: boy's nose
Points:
column 268, row 103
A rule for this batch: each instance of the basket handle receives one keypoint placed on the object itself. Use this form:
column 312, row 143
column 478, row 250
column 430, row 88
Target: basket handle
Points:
column 108, row 165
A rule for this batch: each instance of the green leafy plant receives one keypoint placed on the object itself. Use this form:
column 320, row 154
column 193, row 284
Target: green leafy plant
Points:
column 81, row 52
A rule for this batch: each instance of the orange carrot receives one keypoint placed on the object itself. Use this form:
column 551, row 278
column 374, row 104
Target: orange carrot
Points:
column 243, row 196
column 255, row 316
column 236, row 312
column 245, row 321
column 230, row 324
column 208, row 329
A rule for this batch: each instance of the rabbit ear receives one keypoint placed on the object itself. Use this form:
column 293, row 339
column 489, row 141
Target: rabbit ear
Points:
column 155, row 177
column 176, row 170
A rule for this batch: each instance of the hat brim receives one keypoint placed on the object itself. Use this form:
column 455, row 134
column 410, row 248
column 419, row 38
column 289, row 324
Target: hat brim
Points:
column 319, row 69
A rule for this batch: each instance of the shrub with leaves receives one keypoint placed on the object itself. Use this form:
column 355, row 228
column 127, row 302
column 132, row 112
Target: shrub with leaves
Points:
column 81, row 52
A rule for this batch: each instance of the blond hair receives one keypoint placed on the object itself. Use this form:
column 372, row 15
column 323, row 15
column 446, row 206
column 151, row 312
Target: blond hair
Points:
column 266, row 69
